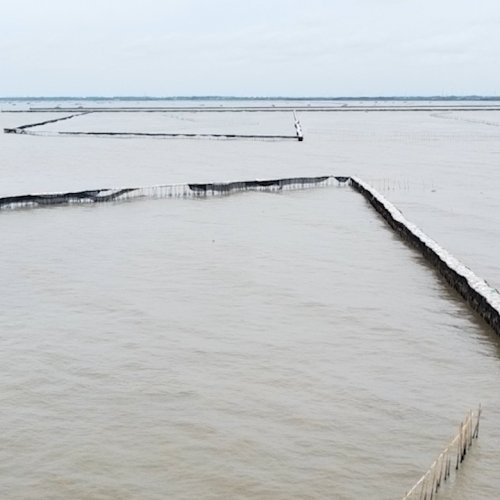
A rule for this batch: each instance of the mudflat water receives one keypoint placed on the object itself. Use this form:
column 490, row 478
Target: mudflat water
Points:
column 255, row 346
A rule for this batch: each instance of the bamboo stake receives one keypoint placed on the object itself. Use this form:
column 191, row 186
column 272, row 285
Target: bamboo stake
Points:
column 423, row 490
column 459, row 446
column 442, row 472
column 469, row 430
column 477, row 423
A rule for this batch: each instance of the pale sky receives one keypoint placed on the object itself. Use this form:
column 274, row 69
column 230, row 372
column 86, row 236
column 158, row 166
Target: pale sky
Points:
column 249, row 48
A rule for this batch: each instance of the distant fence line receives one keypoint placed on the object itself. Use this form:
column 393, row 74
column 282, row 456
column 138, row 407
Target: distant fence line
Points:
column 165, row 135
column 450, row 458
column 23, row 129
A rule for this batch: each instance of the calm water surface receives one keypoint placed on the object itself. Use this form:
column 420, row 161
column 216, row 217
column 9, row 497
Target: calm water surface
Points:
column 256, row 346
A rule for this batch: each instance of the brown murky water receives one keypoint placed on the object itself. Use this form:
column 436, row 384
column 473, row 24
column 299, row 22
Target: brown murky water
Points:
column 255, row 346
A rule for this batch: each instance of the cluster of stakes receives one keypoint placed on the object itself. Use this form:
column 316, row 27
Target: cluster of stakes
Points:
column 427, row 487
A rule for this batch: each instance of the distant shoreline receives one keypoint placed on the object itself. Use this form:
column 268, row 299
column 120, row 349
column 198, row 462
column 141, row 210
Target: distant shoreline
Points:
column 262, row 98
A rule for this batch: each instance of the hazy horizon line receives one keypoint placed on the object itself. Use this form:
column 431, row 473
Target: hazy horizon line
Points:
column 249, row 98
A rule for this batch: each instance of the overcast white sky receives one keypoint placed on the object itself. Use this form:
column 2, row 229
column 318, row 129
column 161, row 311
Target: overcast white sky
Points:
column 247, row 48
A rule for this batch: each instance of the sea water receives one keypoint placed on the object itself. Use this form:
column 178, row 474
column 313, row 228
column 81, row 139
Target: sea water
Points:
column 262, row 345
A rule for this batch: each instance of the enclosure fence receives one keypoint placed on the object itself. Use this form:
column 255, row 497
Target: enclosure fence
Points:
column 451, row 458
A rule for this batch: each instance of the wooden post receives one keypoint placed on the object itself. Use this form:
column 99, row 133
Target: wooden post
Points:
column 476, row 431
column 298, row 128
column 459, row 446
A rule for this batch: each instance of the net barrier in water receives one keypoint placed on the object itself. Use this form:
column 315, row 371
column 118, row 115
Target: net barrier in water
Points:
column 173, row 135
column 23, row 129
column 189, row 190
column 451, row 458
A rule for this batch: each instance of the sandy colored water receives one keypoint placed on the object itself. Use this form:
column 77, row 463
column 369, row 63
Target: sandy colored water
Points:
column 256, row 346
